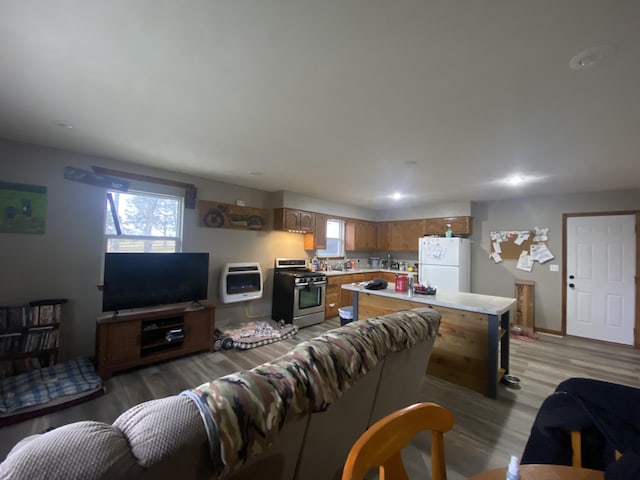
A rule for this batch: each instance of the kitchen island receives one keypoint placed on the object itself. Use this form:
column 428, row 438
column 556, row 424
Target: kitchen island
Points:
column 473, row 334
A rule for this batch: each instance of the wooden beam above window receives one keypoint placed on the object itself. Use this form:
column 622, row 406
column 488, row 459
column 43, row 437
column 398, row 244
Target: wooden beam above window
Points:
column 190, row 190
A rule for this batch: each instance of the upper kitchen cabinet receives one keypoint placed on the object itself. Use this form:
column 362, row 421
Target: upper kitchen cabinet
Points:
column 383, row 236
column 292, row 220
column 361, row 235
column 438, row 226
column 404, row 235
column 317, row 239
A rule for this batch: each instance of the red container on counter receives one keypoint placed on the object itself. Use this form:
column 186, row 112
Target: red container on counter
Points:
column 401, row 283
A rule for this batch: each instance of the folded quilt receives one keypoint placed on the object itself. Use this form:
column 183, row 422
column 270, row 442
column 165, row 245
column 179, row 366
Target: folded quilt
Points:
column 244, row 412
column 45, row 384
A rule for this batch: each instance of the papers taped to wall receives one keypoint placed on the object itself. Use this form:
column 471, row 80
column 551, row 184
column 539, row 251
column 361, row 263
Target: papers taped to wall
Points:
column 525, row 262
column 540, row 253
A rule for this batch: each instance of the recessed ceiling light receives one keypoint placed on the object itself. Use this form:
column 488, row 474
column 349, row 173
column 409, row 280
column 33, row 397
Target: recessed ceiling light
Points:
column 396, row 196
column 591, row 57
column 515, row 180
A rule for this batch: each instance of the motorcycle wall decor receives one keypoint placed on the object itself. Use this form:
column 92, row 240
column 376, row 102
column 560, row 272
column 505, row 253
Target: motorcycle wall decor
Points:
column 226, row 215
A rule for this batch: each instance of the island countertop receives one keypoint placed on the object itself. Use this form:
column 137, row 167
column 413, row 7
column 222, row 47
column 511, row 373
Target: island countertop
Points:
column 472, row 302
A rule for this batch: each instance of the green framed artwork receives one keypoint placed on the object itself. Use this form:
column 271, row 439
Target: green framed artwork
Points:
column 22, row 208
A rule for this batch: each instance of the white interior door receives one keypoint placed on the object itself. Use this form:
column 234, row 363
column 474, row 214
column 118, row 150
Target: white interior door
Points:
column 601, row 259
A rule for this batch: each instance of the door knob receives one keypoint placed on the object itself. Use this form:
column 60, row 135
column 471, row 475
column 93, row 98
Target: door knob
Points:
column 571, row 285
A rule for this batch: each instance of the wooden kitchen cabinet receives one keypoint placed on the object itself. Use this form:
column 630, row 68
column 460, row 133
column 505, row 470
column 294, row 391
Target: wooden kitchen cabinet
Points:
column 361, row 235
column 459, row 225
column 433, row 226
column 332, row 297
column 383, row 236
column 346, row 296
column 438, row 226
column 388, row 276
column 318, row 238
column 404, row 235
column 336, row 297
column 293, row 220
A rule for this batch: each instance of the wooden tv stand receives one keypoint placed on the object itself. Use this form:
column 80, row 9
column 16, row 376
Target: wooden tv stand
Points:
column 130, row 340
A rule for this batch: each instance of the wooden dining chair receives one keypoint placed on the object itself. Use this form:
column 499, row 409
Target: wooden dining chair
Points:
column 381, row 444
column 576, row 449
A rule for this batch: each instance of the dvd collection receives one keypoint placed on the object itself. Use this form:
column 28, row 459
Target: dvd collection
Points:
column 29, row 329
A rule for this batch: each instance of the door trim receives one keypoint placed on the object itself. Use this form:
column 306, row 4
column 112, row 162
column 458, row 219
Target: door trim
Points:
column 565, row 216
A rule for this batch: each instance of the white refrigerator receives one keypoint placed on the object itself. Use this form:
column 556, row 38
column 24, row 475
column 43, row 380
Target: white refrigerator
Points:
column 445, row 263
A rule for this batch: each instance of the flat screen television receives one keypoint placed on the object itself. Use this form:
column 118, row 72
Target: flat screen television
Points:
column 134, row 280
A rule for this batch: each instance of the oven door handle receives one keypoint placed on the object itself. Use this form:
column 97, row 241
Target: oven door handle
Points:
column 309, row 284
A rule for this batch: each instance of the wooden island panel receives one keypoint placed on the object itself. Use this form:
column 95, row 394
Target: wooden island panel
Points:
column 472, row 345
column 460, row 351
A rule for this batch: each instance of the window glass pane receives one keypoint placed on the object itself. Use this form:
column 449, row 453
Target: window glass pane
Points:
column 335, row 240
column 333, row 229
column 148, row 223
column 142, row 214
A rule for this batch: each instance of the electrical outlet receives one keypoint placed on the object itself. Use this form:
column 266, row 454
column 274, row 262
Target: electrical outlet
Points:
column 554, row 268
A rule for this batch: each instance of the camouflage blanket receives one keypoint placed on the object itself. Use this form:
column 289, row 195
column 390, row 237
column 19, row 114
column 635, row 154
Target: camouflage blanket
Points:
column 243, row 412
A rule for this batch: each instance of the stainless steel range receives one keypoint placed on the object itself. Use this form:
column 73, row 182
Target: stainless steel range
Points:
column 298, row 293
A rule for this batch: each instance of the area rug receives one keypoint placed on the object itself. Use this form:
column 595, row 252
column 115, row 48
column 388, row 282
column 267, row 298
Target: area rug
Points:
column 257, row 333
column 45, row 390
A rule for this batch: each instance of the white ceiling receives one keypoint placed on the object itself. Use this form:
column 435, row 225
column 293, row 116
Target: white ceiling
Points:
column 348, row 100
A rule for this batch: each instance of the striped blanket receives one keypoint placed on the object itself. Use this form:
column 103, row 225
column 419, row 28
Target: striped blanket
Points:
column 42, row 385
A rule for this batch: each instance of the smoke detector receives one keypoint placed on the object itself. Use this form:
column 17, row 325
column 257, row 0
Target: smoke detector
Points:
column 591, row 57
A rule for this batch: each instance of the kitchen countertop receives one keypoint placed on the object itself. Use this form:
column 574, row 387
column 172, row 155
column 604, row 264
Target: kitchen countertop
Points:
column 472, row 302
column 331, row 273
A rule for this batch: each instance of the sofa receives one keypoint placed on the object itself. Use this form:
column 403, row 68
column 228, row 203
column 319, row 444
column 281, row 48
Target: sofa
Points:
column 295, row 417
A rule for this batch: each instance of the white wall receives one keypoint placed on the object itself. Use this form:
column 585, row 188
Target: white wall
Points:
column 302, row 202
column 525, row 214
column 433, row 210
column 66, row 260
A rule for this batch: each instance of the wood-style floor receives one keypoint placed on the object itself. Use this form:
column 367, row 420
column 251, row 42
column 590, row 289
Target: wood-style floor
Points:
column 486, row 431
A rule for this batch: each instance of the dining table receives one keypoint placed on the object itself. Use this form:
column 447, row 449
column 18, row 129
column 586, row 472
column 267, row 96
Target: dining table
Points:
column 543, row 472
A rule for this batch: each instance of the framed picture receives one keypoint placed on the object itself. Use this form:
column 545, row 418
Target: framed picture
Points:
column 22, row 208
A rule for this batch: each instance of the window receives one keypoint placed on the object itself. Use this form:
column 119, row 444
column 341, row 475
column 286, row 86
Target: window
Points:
column 143, row 222
column 335, row 240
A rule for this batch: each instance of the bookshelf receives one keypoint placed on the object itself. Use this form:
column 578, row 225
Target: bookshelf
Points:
column 29, row 336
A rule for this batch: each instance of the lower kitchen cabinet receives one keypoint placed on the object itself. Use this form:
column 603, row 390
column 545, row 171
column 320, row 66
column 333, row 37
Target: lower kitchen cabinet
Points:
column 336, row 297
column 332, row 297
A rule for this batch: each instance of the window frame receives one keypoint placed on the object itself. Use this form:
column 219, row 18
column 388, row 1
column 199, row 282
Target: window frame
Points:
column 341, row 239
column 144, row 193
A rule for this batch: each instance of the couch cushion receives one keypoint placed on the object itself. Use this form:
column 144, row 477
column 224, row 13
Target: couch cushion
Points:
column 99, row 451
column 157, row 428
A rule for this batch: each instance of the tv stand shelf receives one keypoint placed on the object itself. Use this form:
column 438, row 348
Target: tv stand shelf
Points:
column 134, row 339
